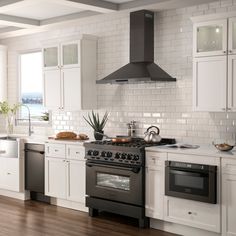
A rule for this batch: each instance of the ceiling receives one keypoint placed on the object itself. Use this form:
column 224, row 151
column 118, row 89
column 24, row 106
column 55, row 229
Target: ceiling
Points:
column 19, row 17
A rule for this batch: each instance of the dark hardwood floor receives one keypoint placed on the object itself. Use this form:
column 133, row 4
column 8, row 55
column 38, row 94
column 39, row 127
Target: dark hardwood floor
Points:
column 32, row 218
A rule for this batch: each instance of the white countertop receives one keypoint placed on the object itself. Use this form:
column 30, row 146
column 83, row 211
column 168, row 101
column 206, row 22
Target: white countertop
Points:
column 203, row 150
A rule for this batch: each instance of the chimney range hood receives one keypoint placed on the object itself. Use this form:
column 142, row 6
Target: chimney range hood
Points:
column 141, row 68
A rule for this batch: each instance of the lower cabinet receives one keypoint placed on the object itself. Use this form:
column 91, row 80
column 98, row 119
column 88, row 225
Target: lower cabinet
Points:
column 195, row 214
column 9, row 174
column 155, row 185
column 229, row 198
column 55, row 177
column 76, row 181
column 65, row 179
column 65, row 172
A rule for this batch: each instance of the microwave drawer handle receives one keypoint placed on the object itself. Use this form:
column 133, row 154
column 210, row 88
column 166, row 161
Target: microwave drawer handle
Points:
column 133, row 169
column 186, row 173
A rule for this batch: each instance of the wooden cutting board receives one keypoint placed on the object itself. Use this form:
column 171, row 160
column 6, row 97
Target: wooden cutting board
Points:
column 67, row 139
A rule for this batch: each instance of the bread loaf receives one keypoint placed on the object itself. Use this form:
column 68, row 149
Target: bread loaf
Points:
column 66, row 135
column 83, row 136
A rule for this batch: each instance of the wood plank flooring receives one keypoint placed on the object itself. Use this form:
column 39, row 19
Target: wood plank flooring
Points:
column 32, row 218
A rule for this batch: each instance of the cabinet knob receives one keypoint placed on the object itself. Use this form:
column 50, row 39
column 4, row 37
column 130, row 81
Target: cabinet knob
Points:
column 224, row 52
column 223, row 109
column 230, row 51
column 229, row 109
column 190, row 213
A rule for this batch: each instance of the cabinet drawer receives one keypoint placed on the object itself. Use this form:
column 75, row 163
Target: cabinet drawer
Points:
column 75, row 152
column 195, row 214
column 55, row 150
column 229, row 166
column 155, row 159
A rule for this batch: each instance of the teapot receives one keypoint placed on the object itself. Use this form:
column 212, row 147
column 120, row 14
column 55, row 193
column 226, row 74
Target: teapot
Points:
column 152, row 136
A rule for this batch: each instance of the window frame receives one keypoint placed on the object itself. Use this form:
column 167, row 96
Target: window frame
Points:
column 33, row 123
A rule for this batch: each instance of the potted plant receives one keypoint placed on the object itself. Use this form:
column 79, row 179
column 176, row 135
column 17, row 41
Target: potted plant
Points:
column 97, row 123
column 9, row 113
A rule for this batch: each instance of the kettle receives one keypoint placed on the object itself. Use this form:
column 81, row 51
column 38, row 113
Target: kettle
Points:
column 152, row 136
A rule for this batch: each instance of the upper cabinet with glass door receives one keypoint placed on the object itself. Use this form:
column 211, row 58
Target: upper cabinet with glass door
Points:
column 70, row 54
column 232, row 36
column 65, row 55
column 51, row 57
column 210, row 38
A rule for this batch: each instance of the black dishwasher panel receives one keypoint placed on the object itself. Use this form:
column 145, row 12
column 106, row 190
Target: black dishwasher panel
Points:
column 34, row 167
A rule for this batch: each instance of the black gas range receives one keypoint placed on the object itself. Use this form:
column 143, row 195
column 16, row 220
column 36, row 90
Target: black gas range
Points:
column 115, row 177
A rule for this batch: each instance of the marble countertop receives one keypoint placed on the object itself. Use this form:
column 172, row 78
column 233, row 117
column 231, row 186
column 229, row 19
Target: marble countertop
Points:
column 203, row 150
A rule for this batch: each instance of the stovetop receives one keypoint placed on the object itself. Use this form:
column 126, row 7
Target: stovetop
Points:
column 132, row 153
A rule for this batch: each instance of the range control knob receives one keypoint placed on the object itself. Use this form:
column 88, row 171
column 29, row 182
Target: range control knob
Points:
column 135, row 157
column 124, row 156
column 95, row 153
column 103, row 154
column 129, row 157
column 118, row 155
column 90, row 152
column 109, row 154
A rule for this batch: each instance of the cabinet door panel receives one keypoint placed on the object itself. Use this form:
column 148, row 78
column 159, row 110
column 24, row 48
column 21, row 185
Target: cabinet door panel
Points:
column 51, row 57
column 229, row 205
column 76, row 181
column 155, row 192
column 52, row 89
column 70, row 54
column 72, row 89
column 232, row 35
column 55, row 178
column 232, row 82
column 210, row 38
column 10, row 174
column 209, row 83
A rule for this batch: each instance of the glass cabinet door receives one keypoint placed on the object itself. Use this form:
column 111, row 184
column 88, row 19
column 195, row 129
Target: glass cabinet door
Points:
column 211, row 38
column 232, row 35
column 50, row 56
column 70, row 54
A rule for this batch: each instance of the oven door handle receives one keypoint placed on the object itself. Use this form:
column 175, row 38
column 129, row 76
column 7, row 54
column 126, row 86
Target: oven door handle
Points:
column 186, row 173
column 133, row 169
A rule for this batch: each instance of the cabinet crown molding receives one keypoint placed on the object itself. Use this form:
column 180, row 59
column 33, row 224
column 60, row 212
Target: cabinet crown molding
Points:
column 215, row 16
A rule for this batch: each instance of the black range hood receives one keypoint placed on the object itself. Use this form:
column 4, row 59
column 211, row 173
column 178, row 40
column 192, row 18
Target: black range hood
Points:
column 141, row 67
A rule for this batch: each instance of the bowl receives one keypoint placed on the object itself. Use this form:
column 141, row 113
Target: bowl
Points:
column 223, row 147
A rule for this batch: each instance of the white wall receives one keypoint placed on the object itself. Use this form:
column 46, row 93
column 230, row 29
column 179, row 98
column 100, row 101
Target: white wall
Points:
column 167, row 105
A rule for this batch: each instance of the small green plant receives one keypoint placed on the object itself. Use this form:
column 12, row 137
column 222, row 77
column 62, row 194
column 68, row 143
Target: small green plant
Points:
column 45, row 116
column 96, row 122
column 6, row 109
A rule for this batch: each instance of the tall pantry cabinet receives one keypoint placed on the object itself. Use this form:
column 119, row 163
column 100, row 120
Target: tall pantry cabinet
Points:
column 70, row 74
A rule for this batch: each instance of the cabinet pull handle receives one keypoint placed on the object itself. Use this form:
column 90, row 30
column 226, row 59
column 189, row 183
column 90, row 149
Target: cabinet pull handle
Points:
column 224, row 52
column 230, row 51
column 229, row 109
column 223, row 109
column 190, row 213
column 77, row 152
column 56, row 150
column 8, row 173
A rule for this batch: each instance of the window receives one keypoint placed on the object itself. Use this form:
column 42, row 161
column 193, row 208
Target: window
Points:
column 31, row 87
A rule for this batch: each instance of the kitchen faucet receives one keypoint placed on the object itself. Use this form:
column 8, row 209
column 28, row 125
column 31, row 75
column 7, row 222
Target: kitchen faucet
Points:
column 30, row 131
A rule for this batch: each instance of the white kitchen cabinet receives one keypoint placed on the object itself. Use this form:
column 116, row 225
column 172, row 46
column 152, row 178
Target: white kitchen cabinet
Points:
column 51, row 59
column 70, row 54
column 65, row 172
column 210, row 38
column 231, row 83
column 232, row 36
column 154, row 206
column 210, row 83
column 52, row 89
column 3, row 73
column 9, row 175
column 73, row 81
column 55, row 177
column 228, row 197
column 192, row 213
column 76, row 181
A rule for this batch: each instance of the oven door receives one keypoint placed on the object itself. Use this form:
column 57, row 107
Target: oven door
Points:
column 116, row 183
column 191, row 184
